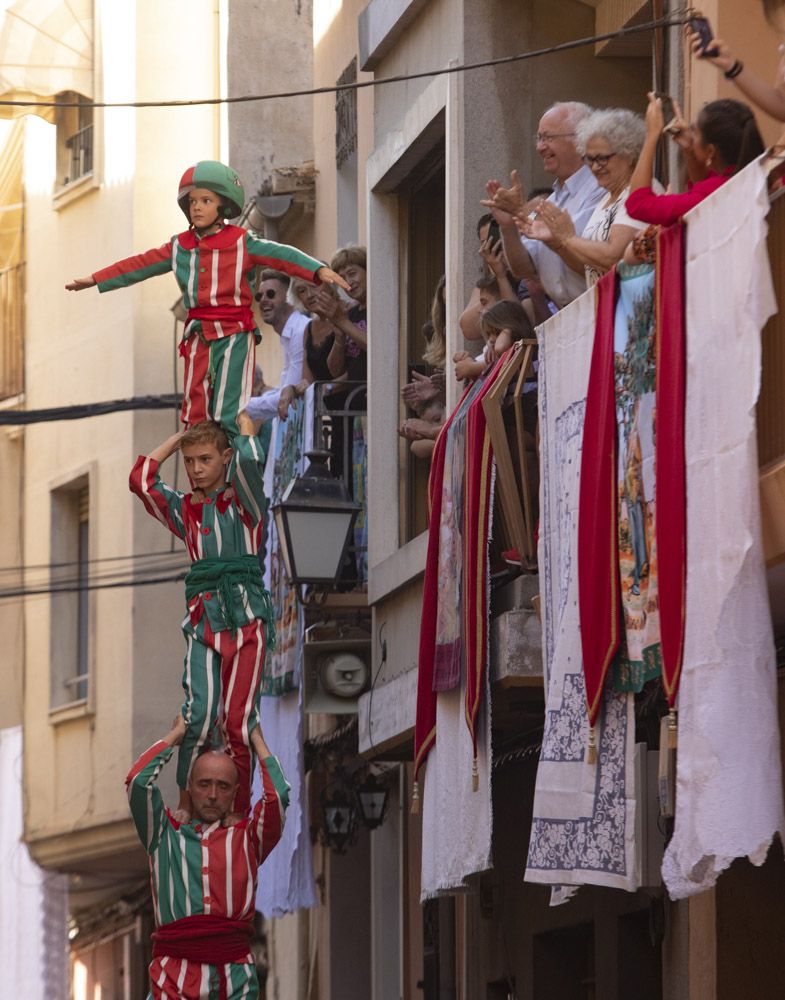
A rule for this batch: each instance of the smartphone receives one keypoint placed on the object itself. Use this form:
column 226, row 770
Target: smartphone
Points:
column 494, row 233
column 702, row 28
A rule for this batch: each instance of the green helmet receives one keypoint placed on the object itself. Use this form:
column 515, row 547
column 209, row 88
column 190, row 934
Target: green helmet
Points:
column 215, row 177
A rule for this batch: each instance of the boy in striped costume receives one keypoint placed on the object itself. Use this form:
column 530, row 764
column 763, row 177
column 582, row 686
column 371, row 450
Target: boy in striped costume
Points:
column 203, row 873
column 228, row 621
column 214, row 265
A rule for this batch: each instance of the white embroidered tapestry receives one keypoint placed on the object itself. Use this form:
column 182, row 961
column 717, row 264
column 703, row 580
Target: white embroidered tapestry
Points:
column 729, row 785
column 456, row 821
column 286, row 881
column 584, row 814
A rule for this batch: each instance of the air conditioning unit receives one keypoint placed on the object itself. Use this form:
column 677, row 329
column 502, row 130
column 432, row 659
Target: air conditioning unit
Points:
column 336, row 668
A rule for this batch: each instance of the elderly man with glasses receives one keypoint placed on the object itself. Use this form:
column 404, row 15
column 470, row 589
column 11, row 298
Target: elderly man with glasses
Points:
column 575, row 190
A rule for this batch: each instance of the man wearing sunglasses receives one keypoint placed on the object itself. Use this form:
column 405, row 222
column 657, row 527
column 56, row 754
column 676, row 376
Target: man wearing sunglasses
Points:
column 575, row 191
column 290, row 326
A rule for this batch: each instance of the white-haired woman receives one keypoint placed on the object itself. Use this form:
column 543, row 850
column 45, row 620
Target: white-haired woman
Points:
column 610, row 142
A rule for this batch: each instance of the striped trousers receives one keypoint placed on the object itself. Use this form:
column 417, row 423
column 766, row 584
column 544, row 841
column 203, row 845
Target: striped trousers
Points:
column 218, row 379
column 221, row 679
column 179, row 979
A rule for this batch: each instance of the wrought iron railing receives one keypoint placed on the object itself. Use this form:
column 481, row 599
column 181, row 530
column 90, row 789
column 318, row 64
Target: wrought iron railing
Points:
column 11, row 331
column 80, row 153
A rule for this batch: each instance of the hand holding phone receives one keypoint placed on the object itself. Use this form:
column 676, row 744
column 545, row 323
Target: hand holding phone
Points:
column 701, row 27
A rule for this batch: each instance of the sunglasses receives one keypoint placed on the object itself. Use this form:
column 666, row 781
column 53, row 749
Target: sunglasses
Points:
column 268, row 293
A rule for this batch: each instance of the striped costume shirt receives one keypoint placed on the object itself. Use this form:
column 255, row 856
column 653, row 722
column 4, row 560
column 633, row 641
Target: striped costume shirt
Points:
column 229, row 521
column 212, row 271
column 200, row 868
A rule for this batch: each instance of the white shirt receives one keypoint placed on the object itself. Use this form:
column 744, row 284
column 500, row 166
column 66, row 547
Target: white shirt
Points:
column 579, row 195
column 265, row 407
column 605, row 216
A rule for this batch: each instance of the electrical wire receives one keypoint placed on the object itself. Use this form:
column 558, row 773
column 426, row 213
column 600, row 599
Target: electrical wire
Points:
column 75, row 588
column 673, row 20
column 78, row 411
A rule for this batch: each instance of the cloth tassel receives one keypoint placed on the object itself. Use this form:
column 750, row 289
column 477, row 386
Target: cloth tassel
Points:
column 475, row 775
column 591, row 751
column 673, row 739
column 415, row 807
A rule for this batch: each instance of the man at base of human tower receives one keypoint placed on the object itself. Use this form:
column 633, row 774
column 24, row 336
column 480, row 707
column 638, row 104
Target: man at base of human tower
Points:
column 204, row 872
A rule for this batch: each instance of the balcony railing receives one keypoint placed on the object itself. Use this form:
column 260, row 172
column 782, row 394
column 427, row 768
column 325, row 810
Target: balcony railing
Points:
column 11, row 331
column 80, row 154
column 339, row 414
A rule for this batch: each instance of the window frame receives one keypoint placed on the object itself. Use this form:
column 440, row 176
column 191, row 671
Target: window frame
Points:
column 72, row 539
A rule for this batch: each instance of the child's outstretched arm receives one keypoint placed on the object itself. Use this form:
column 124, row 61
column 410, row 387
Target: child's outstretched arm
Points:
column 291, row 261
column 127, row 272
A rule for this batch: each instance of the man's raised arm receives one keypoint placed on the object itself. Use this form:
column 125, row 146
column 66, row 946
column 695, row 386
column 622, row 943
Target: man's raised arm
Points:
column 145, row 799
column 268, row 814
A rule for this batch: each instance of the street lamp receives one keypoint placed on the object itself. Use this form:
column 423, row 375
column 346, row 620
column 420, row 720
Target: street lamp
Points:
column 372, row 795
column 340, row 816
column 314, row 519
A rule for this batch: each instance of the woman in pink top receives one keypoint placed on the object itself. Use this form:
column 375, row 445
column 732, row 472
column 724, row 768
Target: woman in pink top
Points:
column 724, row 139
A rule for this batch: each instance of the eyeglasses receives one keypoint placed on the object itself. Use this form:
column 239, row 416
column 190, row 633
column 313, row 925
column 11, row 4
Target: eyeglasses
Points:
column 550, row 136
column 601, row 160
column 268, row 293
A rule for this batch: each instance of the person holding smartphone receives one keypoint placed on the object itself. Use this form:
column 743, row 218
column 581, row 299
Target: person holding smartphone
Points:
column 769, row 98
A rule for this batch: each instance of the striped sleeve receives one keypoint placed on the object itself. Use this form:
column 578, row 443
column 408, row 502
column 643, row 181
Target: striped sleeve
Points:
column 161, row 501
column 145, row 799
column 246, row 474
column 137, row 268
column 282, row 257
column 268, row 816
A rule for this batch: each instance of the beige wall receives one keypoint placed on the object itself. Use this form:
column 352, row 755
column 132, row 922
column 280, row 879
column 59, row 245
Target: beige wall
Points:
column 88, row 347
column 11, row 617
column 335, row 43
column 742, row 25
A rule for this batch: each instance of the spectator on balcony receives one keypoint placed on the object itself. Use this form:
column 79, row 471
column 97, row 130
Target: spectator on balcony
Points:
column 575, row 190
column 290, row 326
column 424, row 387
column 724, row 139
column 426, row 393
column 319, row 335
column 503, row 325
column 610, row 142
column 769, row 98
column 349, row 351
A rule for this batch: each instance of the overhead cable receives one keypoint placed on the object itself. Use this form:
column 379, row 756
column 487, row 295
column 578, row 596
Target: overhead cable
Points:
column 673, row 20
column 78, row 411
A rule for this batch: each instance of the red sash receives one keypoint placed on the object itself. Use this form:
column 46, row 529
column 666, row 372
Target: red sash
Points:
column 425, row 719
column 671, row 510
column 204, row 939
column 224, row 314
column 599, row 597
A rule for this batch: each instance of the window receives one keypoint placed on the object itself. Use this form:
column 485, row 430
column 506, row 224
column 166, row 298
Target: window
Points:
column 74, row 139
column 423, row 205
column 346, row 156
column 70, row 604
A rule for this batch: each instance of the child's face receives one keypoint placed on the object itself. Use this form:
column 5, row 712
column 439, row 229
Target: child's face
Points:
column 500, row 341
column 487, row 299
column 206, row 465
column 203, row 207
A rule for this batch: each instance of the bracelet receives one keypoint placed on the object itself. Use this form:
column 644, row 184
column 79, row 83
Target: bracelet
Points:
column 735, row 69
